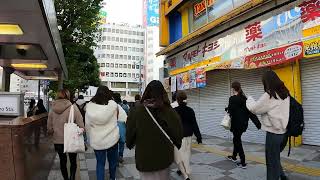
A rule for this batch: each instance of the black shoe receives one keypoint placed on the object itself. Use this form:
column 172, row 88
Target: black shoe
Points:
column 179, row 172
column 121, row 160
column 283, row 177
column 231, row 158
column 188, row 179
column 241, row 165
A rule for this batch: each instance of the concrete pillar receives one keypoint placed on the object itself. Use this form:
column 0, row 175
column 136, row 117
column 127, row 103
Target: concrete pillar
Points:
column 7, row 71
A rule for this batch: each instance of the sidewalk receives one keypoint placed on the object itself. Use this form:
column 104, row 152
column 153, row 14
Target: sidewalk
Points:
column 209, row 163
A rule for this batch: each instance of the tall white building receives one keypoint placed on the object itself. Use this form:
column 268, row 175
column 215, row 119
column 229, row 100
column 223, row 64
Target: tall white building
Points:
column 120, row 55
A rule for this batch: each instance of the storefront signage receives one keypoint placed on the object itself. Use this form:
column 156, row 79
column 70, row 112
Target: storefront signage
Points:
column 152, row 13
column 193, row 79
column 201, row 7
column 311, row 31
column 312, row 47
column 274, row 56
column 183, row 81
column 201, row 78
column 173, row 84
column 9, row 105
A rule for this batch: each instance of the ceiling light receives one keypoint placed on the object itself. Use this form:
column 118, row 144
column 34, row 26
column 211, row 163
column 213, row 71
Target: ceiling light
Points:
column 30, row 66
column 10, row 29
column 53, row 78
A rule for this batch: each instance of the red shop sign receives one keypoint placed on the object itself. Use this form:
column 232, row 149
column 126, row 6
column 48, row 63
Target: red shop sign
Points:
column 274, row 56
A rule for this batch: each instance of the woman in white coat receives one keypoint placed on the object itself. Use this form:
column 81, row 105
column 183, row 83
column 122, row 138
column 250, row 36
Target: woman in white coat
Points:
column 273, row 106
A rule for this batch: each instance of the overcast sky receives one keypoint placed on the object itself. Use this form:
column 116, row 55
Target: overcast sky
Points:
column 127, row 11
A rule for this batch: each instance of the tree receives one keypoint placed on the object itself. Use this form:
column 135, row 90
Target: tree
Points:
column 78, row 23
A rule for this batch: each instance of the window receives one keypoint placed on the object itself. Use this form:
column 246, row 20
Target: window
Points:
column 137, row 75
column 121, row 48
column 130, row 32
column 116, row 66
column 129, row 75
column 107, row 64
column 133, row 75
column 112, row 47
column 107, row 74
column 129, row 48
column 126, row 31
column 133, row 41
column 99, row 64
column 104, row 38
column 133, row 58
column 109, row 29
column 121, row 39
column 102, row 73
column 125, row 40
column 117, row 31
column 141, row 49
column 112, row 56
column 141, row 41
column 137, row 66
column 99, row 47
column 118, row 85
column 129, row 66
column 125, row 48
column 125, row 57
column 117, row 39
column 113, row 38
column 142, row 33
column 109, row 38
column 133, row 66
column 134, row 33
column 102, row 65
column 112, row 65
column 113, row 30
column 121, row 31
column 108, row 47
column 103, row 56
column 117, row 56
column 124, row 74
column 115, row 74
column 121, row 56
column 98, row 55
column 120, row 65
column 117, row 48
column 104, row 29
column 137, row 57
column 125, row 66
column 111, row 74
column 129, row 57
column 103, row 46
column 129, row 40
column 120, row 74
column 141, row 66
column 108, row 56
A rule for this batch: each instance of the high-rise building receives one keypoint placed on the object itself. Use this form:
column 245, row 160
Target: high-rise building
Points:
column 120, row 55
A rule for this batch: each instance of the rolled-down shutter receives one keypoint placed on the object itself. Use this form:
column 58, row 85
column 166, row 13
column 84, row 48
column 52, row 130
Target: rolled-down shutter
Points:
column 213, row 100
column 310, row 82
column 193, row 101
column 252, row 86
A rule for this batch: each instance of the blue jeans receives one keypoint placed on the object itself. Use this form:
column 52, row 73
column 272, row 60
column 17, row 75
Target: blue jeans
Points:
column 122, row 141
column 112, row 154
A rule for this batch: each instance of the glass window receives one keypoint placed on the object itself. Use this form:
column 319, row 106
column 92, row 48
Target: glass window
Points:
column 112, row 56
column 133, row 41
column 142, row 33
column 121, row 56
column 133, row 66
column 115, row 74
column 129, row 66
column 142, row 41
column 121, row 48
column 102, row 65
column 117, row 39
column 134, row 33
column 125, row 57
column 109, row 38
column 133, row 75
column 117, row 31
column 102, row 73
column 126, row 31
column 103, row 46
column 141, row 49
column 141, row 66
column 125, row 40
column 107, row 74
column 104, row 38
column 104, row 30
column 129, row 75
column 111, row 74
column 120, row 65
column 113, row 30
column 129, row 57
column 98, row 55
column 107, row 64
column 129, row 48
column 109, row 29
column 113, row 38
column 116, row 65
column 108, row 47
column 117, row 48
column 125, row 48
column 103, row 55
column 129, row 40
column 112, row 65
column 121, row 31
column 116, row 56
column 112, row 47
column 137, row 66
column 137, row 75
column 133, row 58
column 108, row 56
column 121, row 39
column 125, row 66
column 137, row 57
column 130, row 32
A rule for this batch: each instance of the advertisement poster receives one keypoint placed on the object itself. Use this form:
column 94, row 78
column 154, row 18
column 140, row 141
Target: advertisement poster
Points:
column 201, row 78
column 179, row 82
column 185, row 81
column 153, row 13
column 166, row 84
column 173, row 84
column 274, row 56
column 312, row 47
column 193, row 79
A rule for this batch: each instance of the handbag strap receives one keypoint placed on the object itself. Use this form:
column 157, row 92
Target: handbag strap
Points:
column 71, row 115
column 155, row 121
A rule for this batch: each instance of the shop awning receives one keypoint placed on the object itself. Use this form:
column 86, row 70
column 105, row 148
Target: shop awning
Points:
column 29, row 39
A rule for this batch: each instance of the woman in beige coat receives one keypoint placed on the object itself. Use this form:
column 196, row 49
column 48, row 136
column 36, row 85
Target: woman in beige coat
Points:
column 56, row 120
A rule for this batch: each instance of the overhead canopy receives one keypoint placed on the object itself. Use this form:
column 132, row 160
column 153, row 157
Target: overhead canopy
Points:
column 29, row 39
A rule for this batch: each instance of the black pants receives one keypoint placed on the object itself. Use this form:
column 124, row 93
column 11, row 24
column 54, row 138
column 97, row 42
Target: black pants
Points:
column 63, row 162
column 237, row 147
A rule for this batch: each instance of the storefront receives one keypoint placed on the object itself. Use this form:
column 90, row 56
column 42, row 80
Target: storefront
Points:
column 283, row 40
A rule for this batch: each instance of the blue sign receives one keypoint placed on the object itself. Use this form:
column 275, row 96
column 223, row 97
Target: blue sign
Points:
column 152, row 12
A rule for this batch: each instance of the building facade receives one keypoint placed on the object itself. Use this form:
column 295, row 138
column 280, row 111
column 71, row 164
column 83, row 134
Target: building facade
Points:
column 120, row 54
column 209, row 44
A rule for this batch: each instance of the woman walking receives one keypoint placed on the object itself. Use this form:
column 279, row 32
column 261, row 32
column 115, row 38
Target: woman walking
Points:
column 101, row 125
column 40, row 107
column 56, row 120
column 154, row 152
column 274, row 107
column 239, row 115
column 32, row 108
column 122, row 118
column 190, row 127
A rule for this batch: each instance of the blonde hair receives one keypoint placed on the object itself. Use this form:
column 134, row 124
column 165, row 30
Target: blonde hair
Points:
column 63, row 94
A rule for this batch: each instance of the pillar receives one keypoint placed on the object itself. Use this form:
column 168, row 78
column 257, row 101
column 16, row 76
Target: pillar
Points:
column 6, row 74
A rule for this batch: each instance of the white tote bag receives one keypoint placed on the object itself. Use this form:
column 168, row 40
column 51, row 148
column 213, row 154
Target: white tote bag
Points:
column 177, row 156
column 226, row 121
column 73, row 137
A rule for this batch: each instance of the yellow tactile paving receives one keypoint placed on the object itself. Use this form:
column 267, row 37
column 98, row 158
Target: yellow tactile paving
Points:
column 310, row 171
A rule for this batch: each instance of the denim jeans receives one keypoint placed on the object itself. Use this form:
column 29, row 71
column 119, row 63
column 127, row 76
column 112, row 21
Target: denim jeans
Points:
column 122, row 141
column 112, row 154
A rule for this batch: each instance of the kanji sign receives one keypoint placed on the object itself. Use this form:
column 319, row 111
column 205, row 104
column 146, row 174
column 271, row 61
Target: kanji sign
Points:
column 312, row 47
column 310, row 10
column 253, row 32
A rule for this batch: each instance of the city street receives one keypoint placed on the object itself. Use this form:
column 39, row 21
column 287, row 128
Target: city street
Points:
column 209, row 163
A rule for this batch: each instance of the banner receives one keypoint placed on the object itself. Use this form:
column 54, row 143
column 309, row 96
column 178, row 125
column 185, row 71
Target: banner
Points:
column 152, row 12
column 193, row 79
column 201, row 78
column 274, row 56
column 179, row 82
column 185, row 81
column 312, row 47
column 173, row 84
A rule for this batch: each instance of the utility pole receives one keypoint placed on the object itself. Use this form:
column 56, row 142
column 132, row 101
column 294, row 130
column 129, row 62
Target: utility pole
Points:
column 140, row 79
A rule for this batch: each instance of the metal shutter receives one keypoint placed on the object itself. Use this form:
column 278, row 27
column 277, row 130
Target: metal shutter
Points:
column 193, row 101
column 252, row 86
column 213, row 100
column 310, row 78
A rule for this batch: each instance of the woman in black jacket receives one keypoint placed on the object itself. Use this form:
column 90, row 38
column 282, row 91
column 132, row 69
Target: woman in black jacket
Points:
column 239, row 115
column 190, row 127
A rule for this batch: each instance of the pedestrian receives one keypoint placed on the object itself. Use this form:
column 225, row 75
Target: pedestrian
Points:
column 273, row 106
column 239, row 115
column 32, row 108
column 137, row 99
column 56, row 120
column 122, row 118
column 174, row 103
column 125, row 106
column 101, row 125
column 40, row 107
column 81, row 104
column 154, row 153
column 190, row 128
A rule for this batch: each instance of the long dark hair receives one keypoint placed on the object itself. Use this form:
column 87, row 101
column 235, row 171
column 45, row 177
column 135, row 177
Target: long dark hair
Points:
column 237, row 87
column 181, row 96
column 102, row 96
column 274, row 86
column 41, row 106
column 156, row 92
column 32, row 103
column 117, row 98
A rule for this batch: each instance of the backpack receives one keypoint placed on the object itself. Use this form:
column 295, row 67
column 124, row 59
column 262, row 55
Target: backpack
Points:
column 296, row 121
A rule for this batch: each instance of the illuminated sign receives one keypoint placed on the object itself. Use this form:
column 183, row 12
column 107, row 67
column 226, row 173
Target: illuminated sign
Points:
column 201, row 7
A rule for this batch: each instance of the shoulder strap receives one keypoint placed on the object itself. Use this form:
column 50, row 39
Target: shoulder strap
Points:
column 71, row 115
column 117, row 112
column 155, row 121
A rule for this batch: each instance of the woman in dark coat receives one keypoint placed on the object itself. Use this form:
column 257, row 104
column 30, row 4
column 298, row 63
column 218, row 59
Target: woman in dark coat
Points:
column 40, row 107
column 239, row 115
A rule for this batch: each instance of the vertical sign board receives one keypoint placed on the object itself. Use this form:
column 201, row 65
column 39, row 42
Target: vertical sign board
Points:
column 153, row 13
column 11, row 104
